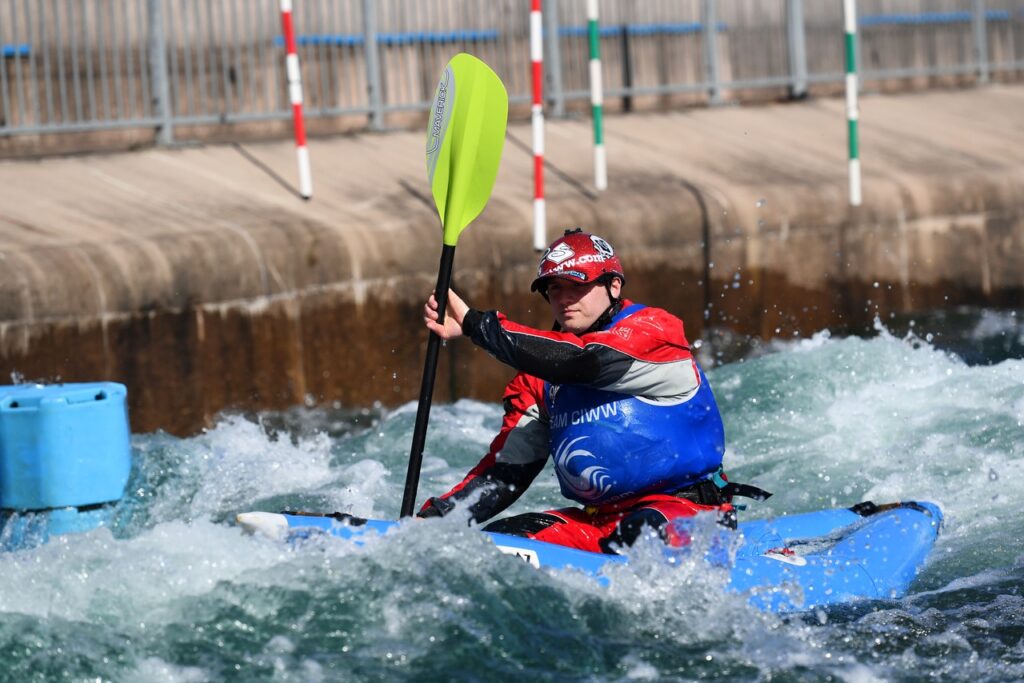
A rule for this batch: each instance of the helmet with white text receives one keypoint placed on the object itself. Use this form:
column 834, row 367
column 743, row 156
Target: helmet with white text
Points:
column 580, row 257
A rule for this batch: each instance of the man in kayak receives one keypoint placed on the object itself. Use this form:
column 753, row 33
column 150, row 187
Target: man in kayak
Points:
column 612, row 393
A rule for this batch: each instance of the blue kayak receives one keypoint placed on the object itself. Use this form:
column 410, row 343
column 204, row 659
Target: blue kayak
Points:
column 785, row 564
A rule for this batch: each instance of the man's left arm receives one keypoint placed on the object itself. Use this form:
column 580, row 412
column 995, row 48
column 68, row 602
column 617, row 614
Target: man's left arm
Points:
column 645, row 355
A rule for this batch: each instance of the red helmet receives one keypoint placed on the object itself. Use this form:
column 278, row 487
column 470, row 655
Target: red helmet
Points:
column 580, row 257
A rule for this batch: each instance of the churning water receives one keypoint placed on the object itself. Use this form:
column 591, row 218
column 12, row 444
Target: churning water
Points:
column 175, row 592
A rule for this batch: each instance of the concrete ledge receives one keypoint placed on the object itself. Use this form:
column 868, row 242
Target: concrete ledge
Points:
column 201, row 280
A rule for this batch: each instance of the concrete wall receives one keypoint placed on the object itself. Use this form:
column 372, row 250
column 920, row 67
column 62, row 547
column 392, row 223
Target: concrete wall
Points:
column 198, row 278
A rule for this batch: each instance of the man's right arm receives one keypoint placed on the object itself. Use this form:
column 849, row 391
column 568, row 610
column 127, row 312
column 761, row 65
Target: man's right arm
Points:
column 515, row 458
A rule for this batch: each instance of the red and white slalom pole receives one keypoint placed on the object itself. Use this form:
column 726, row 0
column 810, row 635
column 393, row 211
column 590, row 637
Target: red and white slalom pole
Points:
column 540, row 238
column 295, row 96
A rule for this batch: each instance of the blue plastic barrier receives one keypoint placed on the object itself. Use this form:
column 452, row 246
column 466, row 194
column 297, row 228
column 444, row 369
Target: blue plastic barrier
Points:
column 64, row 452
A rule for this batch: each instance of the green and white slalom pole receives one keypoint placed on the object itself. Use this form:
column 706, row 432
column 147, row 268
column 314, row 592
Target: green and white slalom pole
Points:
column 597, row 96
column 852, row 114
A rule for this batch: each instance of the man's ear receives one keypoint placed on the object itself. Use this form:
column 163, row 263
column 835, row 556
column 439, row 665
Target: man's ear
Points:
column 615, row 287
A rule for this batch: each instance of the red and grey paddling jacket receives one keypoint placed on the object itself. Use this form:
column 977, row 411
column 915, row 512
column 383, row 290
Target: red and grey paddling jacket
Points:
column 623, row 411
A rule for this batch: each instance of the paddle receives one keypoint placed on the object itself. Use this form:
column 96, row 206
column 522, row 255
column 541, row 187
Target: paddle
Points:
column 465, row 133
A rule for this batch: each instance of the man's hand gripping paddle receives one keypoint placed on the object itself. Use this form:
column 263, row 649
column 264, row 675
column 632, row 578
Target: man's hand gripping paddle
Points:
column 465, row 134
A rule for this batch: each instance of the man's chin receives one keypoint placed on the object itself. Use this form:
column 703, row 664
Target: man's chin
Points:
column 575, row 327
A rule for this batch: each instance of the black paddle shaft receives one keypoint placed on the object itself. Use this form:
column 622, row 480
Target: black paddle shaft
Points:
column 419, row 432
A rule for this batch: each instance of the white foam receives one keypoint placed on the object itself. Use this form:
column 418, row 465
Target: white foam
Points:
column 140, row 580
column 156, row 670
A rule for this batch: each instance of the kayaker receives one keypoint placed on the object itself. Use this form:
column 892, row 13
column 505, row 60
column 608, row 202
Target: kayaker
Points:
column 613, row 394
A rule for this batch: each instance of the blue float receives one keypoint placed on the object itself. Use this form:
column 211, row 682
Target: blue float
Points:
column 65, row 455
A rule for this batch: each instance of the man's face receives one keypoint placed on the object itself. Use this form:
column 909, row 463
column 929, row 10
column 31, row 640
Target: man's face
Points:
column 577, row 306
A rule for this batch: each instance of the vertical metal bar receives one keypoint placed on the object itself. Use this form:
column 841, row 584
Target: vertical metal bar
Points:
column 322, row 56
column 797, row 39
column 205, row 75
column 89, row 44
column 5, row 109
column 556, row 93
column 225, row 62
column 413, row 24
column 236, row 37
column 44, row 45
column 141, row 22
column 479, row 46
column 348, row 56
column 19, row 81
column 250, row 50
column 158, row 72
column 187, row 45
column 171, row 36
column 142, row 46
column 980, row 30
column 404, row 24
column 32, row 75
column 432, row 22
column 333, row 56
column 277, row 79
column 101, row 54
column 373, row 84
column 59, row 47
column 129, row 62
column 709, row 33
column 119, row 44
column 627, row 68
column 76, row 84
column 267, row 66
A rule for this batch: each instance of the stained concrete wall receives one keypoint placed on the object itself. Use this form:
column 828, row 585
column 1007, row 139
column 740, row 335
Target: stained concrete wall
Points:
column 200, row 279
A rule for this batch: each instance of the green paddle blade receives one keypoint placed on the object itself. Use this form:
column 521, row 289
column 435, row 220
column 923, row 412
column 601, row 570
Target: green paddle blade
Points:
column 465, row 134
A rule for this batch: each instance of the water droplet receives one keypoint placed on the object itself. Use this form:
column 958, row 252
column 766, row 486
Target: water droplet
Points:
column 992, row 475
column 761, row 203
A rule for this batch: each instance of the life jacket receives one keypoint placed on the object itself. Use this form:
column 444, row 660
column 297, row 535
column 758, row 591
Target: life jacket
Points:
column 609, row 446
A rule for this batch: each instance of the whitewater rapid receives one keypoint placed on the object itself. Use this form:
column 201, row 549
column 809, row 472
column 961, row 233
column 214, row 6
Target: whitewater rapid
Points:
column 173, row 591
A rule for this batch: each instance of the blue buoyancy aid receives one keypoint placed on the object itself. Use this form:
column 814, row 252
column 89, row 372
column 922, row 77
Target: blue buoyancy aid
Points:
column 609, row 446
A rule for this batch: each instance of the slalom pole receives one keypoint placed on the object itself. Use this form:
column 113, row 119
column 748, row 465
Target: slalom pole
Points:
column 597, row 96
column 540, row 238
column 852, row 113
column 295, row 96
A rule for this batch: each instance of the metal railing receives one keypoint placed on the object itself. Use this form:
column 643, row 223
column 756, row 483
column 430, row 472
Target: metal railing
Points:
column 179, row 69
